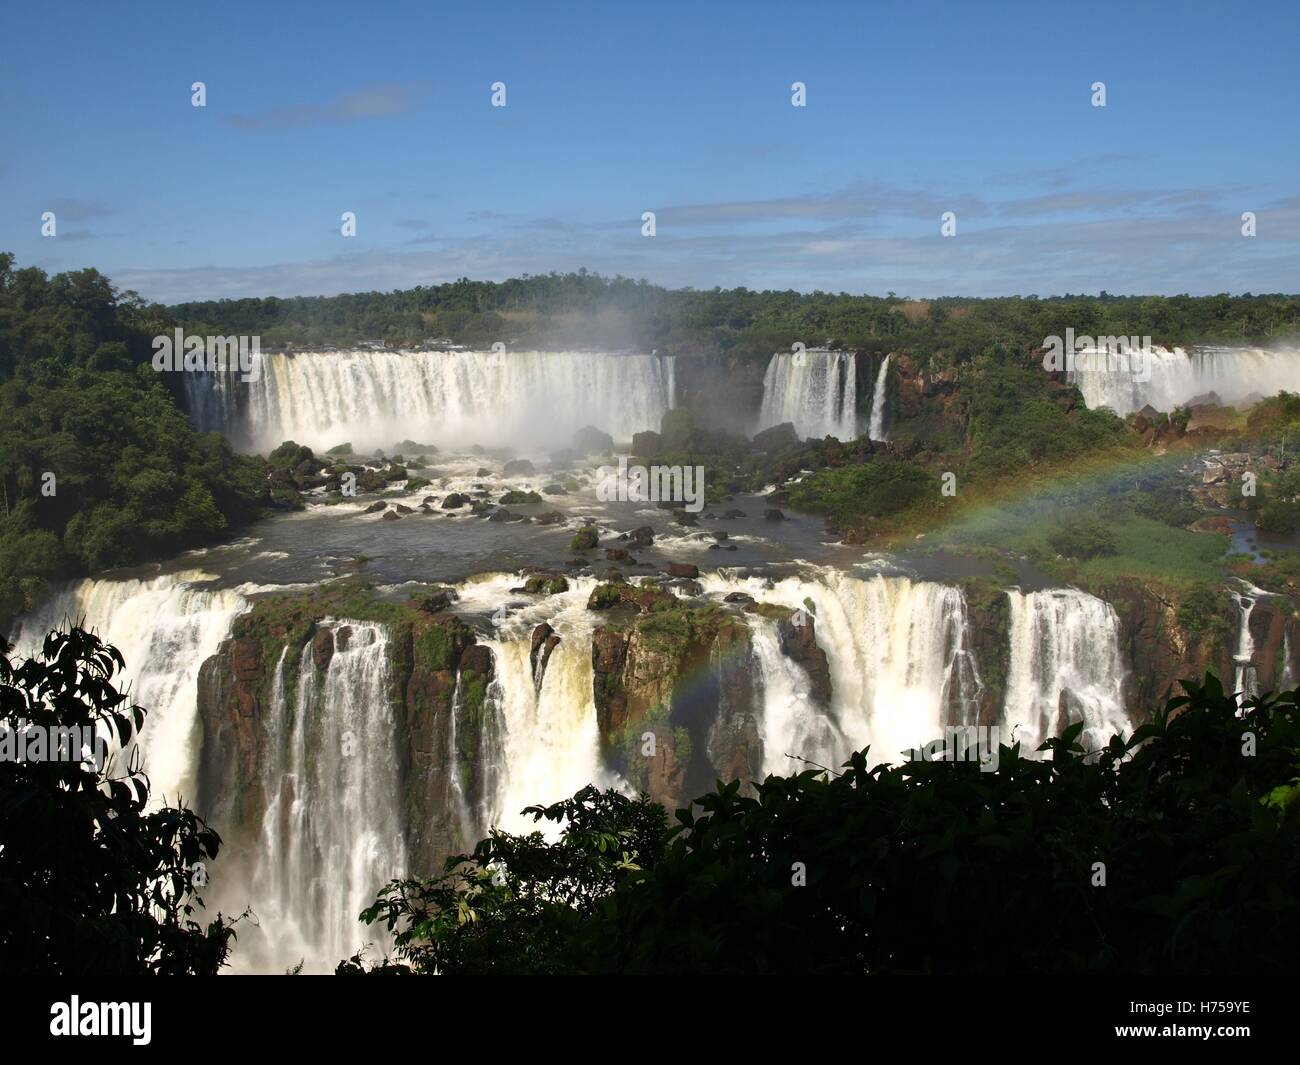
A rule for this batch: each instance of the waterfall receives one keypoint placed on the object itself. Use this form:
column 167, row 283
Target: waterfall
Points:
column 475, row 757
column 816, row 390
column 794, row 731
column 898, row 652
column 876, row 427
column 165, row 627
column 1245, row 682
column 376, row 398
column 1065, row 665
column 333, row 833
column 550, row 739
column 1287, row 681
column 1174, row 378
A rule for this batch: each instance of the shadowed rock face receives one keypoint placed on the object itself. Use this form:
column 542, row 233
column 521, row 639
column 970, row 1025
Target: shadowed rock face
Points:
column 677, row 698
column 673, row 691
column 1159, row 649
column 988, row 614
column 1274, row 631
column 544, row 643
column 799, row 642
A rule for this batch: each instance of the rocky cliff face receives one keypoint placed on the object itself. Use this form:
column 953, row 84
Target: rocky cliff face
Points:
column 439, row 680
column 674, row 693
column 441, row 677
column 1275, row 633
column 727, row 393
column 661, row 680
column 1160, row 649
column 677, row 698
column 989, row 617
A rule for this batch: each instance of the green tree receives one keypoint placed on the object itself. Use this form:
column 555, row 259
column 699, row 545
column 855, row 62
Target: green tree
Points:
column 1165, row 851
column 91, row 882
column 517, row 903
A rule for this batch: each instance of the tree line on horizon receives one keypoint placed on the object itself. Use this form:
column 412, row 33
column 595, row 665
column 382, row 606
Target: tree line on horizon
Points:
column 582, row 309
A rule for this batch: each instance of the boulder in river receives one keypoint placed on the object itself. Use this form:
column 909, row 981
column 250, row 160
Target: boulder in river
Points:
column 592, row 441
column 584, row 539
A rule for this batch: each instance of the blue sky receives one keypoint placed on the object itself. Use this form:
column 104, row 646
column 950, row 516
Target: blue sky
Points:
column 613, row 109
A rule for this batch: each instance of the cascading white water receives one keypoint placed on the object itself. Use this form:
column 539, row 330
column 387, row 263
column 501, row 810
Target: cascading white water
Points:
column 550, row 737
column 165, row 627
column 1063, row 642
column 373, row 399
column 816, row 390
column 474, row 809
column 897, row 650
column 796, row 734
column 876, row 427
column 332, row 834
column 1287, row 680
column 1173, row 378
column 1245, row 683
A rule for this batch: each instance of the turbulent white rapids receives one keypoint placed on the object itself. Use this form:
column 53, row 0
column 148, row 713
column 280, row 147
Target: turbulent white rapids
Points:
column 1235, row 375
column 1065, row 666
column 165, row 628
column 376, row 398
column 332, row 833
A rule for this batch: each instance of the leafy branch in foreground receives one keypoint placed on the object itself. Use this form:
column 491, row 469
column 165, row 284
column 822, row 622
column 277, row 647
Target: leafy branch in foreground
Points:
column 91, row 882
column 517, row 903
column 1174, row 850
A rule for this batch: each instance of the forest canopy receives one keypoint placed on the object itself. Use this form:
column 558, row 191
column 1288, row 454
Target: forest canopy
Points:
column 99, row 465
column 587, row 310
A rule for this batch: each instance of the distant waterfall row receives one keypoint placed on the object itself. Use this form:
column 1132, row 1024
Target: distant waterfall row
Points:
column 334, row 826
column 373, row 399
column 818, row 392
column 1167, row 379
